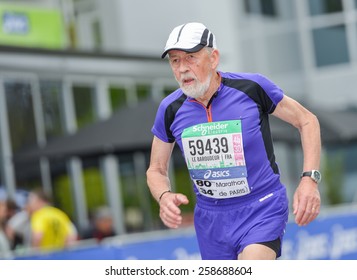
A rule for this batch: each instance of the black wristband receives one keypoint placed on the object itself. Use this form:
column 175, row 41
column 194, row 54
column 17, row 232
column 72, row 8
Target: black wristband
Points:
column 163, row 194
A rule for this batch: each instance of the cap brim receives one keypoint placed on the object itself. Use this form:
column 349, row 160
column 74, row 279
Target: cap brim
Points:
column 191, row 50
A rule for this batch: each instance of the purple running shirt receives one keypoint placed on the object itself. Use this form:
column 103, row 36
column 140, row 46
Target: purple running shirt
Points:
column 227, row 144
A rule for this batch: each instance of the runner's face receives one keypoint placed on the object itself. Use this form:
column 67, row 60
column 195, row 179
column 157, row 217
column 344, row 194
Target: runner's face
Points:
column 193, row 71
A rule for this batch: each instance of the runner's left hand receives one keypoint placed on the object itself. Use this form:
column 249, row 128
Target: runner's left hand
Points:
column 307, row 202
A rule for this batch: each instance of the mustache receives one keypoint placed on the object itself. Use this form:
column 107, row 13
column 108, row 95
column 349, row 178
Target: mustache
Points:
column 186, row 77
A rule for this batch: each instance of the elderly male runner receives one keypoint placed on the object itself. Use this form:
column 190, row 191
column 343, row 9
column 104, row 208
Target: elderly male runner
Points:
column 221, row 123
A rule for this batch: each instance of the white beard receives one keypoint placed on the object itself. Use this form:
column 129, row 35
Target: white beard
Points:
column 197, row 89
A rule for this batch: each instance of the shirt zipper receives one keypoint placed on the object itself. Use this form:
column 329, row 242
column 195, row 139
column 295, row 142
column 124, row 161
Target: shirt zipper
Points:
column 208, row 107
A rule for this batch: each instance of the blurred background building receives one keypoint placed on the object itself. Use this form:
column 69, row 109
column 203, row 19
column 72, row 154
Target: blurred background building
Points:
column 80, row 81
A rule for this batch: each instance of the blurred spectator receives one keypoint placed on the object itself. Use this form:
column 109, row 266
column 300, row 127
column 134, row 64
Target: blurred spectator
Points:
column 14, row 220
column 18, row 230
column 51, row 228
column 11, row 209
column 102, row 225
column 4, row 244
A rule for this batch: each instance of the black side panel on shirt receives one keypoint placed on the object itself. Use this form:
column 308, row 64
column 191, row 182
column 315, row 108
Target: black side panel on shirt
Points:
column 254, row 91
column 170, row 113
column 265, row 106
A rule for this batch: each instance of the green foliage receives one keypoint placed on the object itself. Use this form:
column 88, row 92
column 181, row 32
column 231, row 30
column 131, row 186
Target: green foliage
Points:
column 333, row 178
column 117, row 97
column 93, row 188
column 63, row 195
column 83, row 102
column 143, row 91
column 130, row 192
column 169, row 90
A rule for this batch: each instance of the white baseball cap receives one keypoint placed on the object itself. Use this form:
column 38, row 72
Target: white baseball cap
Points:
column 190, row 37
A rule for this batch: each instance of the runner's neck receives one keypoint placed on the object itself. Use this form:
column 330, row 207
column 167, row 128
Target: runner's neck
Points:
column 211, row 94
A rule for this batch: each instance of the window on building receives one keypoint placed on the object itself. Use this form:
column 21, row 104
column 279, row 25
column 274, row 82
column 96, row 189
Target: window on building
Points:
column 143, row 91
column 93, row 182
column 263, row 7
column 28, row 174
column 84, row 104
column 117, row 97
column 330, row 45
column 62, row 187
column 97, row 36
column 131, row 194
column 22, row 128
column 168, row 90
column 356, row 4
column 20, row 114
column 340, row 168
column 50, row 95
column 268, row 7
column 318, row 7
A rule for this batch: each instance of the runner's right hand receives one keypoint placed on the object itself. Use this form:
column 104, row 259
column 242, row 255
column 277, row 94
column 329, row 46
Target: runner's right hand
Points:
column 170, row 213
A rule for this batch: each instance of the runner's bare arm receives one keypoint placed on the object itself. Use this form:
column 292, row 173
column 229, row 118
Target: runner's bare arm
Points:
column 306, row 201
column 159, row 182
column 157, row 174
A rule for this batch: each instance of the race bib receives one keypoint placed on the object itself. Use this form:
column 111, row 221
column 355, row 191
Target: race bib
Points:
column 215, row 158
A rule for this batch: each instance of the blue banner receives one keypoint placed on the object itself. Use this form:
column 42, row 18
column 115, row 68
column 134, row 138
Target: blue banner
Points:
column 330, row 237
